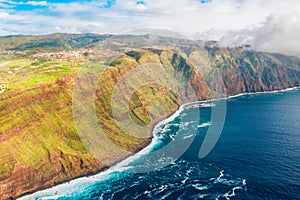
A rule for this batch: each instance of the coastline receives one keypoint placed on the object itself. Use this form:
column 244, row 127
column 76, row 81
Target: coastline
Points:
column 265, row 92
column 143, row 150
column 106, row 170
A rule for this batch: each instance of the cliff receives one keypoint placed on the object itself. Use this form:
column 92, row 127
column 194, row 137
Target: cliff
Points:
column 40, row 145
column 250, row 71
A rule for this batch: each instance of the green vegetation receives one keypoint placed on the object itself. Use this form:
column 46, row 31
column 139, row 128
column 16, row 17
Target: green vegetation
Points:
column 52, row 42
column 37, row 130
column 39, row 143
column 25, row 73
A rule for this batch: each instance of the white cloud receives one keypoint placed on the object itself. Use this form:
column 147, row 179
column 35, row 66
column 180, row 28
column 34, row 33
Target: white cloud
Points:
column 10, row 4
column 278, row 33
column 35, row 3
column 4, row 15
column 211, row 20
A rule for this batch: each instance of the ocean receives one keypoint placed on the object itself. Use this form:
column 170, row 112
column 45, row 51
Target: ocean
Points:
column 257, row 156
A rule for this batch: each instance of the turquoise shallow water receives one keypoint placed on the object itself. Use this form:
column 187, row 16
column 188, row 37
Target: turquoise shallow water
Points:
column 256, row 157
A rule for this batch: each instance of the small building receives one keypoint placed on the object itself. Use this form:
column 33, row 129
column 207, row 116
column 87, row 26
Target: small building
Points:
column 2, row 88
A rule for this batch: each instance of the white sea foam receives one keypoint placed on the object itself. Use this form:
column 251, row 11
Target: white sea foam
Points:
column 184, row 180
column 185, row 125
column 265, row 92
column 200, row 187
column 244, row 182
column 231, row 193
column 199, row 104
column 204, row 125
column 238, row 95
column 188, row 136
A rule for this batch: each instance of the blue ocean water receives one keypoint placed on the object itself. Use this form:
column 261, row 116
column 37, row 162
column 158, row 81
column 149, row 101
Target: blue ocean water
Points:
column 257, row 157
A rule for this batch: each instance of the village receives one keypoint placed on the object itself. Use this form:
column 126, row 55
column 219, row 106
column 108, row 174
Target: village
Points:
column 63, row 54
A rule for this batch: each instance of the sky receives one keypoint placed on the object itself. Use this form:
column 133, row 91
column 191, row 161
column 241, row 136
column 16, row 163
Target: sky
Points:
column 229, row 21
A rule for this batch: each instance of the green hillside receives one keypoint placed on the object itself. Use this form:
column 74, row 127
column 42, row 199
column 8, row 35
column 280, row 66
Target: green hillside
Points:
column 52, row 42
column 40, row 144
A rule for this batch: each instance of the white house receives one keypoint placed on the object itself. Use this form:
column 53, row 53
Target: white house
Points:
column 2, row 88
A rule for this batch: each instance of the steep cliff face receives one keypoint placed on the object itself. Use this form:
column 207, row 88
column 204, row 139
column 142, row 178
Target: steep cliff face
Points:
column 145, row 79
column 249, row 71
column 40, row 145
column 39, row 142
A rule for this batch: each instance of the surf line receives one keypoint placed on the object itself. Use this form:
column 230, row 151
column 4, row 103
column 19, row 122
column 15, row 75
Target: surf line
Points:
column 78, row 185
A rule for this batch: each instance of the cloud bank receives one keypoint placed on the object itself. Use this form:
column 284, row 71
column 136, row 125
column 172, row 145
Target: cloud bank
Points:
column 261, row 23
column 279, row 33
